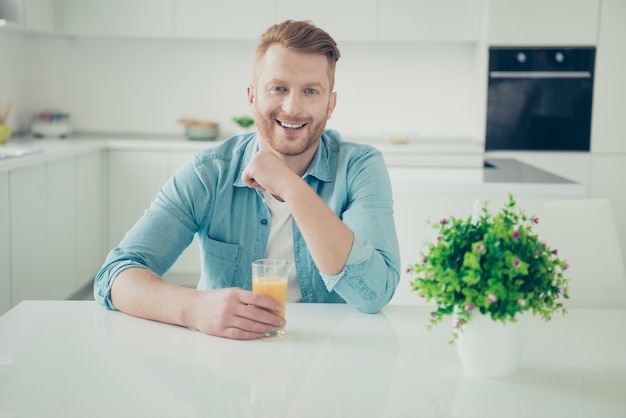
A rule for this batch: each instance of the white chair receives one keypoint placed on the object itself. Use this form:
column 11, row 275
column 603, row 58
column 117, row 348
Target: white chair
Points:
column 585, row 234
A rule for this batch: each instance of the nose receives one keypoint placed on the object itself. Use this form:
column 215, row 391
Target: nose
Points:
column 292, row 104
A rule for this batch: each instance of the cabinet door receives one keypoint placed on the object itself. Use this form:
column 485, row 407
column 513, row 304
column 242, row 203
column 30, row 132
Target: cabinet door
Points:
column 186, row 270
column 90, row 217
column 40, row 15
column 346, row 20
column 217, row 19
column 61, row 245
column 28, row 234
column 539, row 22
column 427, row 20
column 5, row 246
column 135, row 177
column 117, row 18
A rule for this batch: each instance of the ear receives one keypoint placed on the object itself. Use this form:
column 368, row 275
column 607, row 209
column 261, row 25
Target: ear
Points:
column 251, row 96
column 331, row 104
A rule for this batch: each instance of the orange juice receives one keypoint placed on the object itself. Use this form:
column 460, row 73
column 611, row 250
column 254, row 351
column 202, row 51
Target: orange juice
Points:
column 274, row 287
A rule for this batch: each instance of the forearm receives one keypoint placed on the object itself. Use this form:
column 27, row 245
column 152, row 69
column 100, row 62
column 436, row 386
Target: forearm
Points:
column 329, row 240
column 140, row 292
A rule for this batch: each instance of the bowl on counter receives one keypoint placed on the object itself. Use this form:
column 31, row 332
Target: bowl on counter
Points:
column 198, row 130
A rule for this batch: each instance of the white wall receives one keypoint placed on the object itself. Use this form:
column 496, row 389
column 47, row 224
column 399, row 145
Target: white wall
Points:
column 146, row 85
column 11, row 70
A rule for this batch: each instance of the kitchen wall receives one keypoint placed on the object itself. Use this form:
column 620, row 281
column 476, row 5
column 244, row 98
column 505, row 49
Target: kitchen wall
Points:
column 138, row 86
column 12, row 59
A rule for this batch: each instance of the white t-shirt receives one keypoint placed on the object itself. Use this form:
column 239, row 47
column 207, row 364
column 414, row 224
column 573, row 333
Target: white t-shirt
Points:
column 280, row 243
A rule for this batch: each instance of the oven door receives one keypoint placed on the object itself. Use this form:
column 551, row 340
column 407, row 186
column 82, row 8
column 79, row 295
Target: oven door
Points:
column 539, row 108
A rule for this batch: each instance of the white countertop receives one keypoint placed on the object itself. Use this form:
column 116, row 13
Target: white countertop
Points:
column 427, row 166
column 76, row 359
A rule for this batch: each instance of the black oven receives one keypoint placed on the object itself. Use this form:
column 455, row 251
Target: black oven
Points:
column 540, row 98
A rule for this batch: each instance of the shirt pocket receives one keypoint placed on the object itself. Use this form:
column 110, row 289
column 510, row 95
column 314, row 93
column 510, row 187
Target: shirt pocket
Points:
column 222, row 261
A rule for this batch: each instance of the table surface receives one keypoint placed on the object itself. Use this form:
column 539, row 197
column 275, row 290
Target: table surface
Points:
column 76, row 359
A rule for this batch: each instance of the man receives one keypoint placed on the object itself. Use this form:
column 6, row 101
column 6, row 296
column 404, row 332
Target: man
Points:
column 293, row 190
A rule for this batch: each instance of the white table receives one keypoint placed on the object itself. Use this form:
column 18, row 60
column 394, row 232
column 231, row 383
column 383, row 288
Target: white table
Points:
column 76, row 359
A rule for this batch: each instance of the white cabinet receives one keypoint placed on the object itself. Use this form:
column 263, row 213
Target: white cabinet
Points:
column 29, row 240
column 346, row 20
column 134, row 180
column 426, row 20
column 40, row 15
column 217, row 19
column 43, row 231
column 607, row 130
column 540, row 22
column 117, row 18
column 135, row 177
column 5, row 246
column 61, row 228
column 90, row 217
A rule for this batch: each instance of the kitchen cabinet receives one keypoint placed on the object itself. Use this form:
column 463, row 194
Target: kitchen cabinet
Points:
column 35, row 15
column 40, row 15
column 28, row 234
column 43, row 231
column 117, row 18
column 607, row 174
column 135, row 177
column 346, row 20
column 216, row 19
column 90, row 216
column 539, row 22
column 5, row 246
column 607, row 129
column 426, row 20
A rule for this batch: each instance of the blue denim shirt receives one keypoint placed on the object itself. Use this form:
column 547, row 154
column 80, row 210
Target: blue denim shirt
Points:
column 207, row 196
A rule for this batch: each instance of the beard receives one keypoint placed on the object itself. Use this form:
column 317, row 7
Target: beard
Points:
column 289, row 146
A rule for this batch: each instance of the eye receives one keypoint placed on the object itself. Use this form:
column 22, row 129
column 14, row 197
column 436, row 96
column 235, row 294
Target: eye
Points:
column 278, row 88
column 310, row 91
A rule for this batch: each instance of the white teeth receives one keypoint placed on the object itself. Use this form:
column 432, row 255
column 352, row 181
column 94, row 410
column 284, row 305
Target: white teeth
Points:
column 290, row 125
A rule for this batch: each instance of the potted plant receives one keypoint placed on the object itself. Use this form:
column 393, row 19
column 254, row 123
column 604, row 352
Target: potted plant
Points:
column 244, row 122
column 495, row 267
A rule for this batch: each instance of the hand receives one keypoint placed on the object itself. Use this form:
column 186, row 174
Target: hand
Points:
column 267, row 171
column 236, row 313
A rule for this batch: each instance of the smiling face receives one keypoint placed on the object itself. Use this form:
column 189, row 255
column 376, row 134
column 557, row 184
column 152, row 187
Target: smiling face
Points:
column 291, row 100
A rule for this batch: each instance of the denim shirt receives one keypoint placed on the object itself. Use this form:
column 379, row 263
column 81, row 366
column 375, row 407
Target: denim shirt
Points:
column 208, row 197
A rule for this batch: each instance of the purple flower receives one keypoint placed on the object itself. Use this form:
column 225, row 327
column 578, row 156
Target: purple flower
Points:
column 424, row 260
column 561, row 290
column 442, row 221
column 521, row 302
column 515, row 234
column 480, row 248
column 469, row 307
column 408, row 269
column 433, row 316
column 516, row 263
column 459, row 323
column 566, row 266
column 491, row 298
column 555, row 252
column 536, row 220
column 438, row 237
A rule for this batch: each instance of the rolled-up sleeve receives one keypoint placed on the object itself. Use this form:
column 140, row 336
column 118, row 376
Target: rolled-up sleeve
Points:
column 372, row 271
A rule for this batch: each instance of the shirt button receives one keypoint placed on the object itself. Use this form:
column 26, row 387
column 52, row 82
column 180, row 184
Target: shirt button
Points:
column 264, row 222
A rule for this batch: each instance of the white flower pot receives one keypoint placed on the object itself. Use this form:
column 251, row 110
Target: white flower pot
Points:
column 488, row 348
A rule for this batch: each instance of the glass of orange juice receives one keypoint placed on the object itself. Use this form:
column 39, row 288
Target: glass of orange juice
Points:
column 269, row 278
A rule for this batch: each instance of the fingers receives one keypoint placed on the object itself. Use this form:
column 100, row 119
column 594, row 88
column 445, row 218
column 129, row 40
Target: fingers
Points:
column 239, row 314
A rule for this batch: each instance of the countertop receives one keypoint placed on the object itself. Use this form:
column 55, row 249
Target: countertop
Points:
column 76, row 359
column 420, row 166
